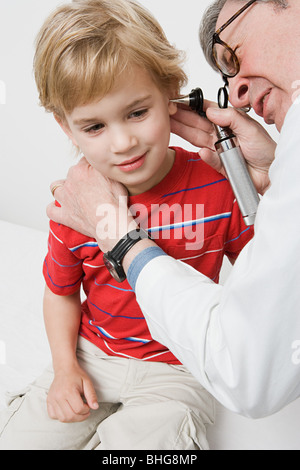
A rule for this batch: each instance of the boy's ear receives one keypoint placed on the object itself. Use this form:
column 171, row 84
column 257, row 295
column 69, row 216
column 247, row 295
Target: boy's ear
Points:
column 172, row 108
column 65, row 127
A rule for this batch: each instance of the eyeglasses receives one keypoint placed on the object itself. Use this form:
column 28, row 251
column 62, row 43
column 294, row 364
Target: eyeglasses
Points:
column 224, row 57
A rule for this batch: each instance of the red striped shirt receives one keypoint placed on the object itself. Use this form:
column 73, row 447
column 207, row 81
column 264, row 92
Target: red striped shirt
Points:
column 191, row 214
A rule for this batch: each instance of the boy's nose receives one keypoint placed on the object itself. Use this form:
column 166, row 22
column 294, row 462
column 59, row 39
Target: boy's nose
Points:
column 122, row 140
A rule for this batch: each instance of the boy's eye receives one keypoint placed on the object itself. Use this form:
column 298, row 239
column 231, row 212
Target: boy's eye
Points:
column 94, row 128
column 138, row 114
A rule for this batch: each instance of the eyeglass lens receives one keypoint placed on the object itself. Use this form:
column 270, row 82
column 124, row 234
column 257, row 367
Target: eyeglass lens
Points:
column 225, row 59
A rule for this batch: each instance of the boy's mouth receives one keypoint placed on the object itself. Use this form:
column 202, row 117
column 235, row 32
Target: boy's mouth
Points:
column 132, row 164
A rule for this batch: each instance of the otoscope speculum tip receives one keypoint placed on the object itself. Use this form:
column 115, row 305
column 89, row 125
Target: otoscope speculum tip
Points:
column 194, row 101
column 183, row 100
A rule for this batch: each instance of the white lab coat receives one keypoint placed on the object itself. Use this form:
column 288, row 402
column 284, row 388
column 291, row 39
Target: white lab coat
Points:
column 241, row 340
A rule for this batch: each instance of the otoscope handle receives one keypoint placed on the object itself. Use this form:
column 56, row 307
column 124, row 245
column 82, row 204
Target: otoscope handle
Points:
column 238, row 175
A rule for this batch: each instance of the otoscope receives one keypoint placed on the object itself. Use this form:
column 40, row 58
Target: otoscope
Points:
column 230, row 155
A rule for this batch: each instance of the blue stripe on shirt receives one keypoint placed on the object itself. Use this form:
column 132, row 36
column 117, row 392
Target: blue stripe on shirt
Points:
column 75, row 248
column 57, row 285
column 109, row 336
column 113, row 287
column 111, row 315
column 236, row 238
column 189, row 223
column 62, row 265
column 197, row 187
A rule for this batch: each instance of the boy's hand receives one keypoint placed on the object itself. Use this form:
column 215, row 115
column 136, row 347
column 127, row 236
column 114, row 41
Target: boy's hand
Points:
column 71, row 396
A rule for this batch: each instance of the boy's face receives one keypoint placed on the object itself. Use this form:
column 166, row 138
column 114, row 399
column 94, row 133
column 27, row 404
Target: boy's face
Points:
column 125, row 135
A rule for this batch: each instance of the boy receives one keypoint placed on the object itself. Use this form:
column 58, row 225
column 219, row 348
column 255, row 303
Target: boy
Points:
column 107, row 73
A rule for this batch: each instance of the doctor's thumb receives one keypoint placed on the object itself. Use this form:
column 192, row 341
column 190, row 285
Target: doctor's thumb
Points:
column 237, row 120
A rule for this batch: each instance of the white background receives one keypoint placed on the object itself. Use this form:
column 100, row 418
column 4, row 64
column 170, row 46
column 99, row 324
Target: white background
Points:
column 33, row 149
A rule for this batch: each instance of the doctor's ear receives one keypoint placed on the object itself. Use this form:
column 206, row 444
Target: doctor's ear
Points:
column 65, row 127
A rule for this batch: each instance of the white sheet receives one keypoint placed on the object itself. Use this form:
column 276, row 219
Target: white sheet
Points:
column 23, row 344
column 24, row 350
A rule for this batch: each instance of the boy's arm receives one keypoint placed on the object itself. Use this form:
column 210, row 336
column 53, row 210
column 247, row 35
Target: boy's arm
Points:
column 71, row 385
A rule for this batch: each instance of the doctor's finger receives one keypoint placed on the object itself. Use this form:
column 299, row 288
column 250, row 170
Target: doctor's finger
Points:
column 212, row 159
column 194, row 135
column 54, row 212
column 57, row 187
column 190, row 118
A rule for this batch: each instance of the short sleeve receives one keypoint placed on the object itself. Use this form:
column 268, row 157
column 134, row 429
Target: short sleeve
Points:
column 62, row 270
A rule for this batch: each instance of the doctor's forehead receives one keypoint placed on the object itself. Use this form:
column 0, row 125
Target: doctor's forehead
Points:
column 231, row 8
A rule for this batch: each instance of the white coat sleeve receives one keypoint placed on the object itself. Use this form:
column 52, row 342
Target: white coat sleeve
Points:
column 240, row 340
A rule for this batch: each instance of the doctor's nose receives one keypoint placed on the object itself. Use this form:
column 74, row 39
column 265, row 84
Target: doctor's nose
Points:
column 122, row 140
column 239, row 95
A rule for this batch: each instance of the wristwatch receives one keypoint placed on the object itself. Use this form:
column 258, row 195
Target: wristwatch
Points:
column 113, row 259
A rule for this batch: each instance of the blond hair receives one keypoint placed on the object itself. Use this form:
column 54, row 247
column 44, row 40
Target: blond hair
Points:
column 84, row 46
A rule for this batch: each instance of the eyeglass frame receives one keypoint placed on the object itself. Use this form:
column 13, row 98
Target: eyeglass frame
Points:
column 217, row 40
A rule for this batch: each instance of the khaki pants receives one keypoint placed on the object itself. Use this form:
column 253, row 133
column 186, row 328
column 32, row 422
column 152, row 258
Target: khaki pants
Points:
column 143, row 405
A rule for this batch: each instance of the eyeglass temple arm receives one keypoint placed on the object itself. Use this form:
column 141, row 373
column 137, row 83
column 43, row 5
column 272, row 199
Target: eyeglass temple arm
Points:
column 238, row 13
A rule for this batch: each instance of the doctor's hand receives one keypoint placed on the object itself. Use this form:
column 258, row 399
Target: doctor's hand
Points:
column 91, row 204
column 257, row 146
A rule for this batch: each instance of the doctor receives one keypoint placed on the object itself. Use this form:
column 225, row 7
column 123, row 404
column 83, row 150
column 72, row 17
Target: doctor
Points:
column 240, row 340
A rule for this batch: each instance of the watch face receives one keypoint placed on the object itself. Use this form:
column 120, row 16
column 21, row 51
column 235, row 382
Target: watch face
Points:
column 115, row 271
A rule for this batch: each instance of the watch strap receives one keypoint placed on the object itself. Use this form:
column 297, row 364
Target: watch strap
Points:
column 127, row 242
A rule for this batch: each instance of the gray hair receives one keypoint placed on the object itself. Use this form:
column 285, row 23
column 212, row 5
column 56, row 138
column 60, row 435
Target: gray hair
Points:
column 209, row 21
